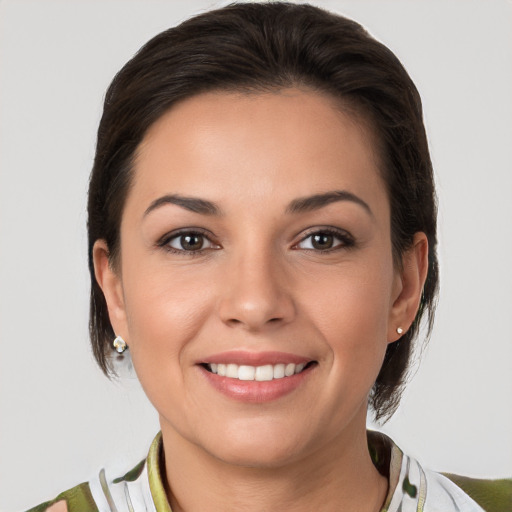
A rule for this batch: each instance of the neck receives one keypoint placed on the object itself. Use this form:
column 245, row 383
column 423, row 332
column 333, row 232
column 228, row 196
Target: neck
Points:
column 339, row 475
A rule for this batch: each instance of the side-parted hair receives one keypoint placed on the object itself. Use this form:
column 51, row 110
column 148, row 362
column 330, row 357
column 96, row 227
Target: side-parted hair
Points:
column 265, row 47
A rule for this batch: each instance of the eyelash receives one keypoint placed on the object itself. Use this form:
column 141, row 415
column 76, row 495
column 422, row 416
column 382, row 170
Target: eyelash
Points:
column 169, row 237
column 347, row 241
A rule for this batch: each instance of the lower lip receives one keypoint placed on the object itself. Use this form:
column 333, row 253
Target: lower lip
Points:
column 253, row 391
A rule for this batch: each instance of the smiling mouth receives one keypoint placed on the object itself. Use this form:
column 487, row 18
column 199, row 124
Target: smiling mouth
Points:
column 263, row 373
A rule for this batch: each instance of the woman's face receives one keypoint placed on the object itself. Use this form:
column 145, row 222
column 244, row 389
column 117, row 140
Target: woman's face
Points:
column 255, row 243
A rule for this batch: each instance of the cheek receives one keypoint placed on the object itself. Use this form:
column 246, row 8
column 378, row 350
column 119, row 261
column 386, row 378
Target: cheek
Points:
column 351, row 311
column 165, row 310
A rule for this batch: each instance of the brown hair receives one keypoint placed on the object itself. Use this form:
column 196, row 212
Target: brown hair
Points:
column 261, row 47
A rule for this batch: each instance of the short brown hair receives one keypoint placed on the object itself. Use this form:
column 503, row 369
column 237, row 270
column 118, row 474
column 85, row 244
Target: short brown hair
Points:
column 261, row 47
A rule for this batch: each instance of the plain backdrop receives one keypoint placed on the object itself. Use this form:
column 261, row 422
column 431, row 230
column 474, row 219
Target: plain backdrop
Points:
column 60, row 419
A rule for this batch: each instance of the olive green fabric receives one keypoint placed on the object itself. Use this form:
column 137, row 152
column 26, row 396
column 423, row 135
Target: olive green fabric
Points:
column 155, row 462
column 491, row 495
column 78, row 499
column 133, row 474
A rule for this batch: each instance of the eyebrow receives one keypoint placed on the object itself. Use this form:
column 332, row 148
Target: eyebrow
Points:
column 317, row 201
column 192, row 204
column 300, row 205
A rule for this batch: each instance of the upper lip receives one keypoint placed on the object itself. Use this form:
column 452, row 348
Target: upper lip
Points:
column 241, row 357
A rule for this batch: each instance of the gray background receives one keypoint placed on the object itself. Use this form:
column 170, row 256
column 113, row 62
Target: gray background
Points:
column 60, row 419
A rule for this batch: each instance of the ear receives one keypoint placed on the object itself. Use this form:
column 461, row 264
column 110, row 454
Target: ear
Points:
column 408, row 287
column 111, row 285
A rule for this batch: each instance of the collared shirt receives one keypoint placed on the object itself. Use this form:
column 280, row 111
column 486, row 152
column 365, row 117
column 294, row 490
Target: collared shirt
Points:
column 411, row 488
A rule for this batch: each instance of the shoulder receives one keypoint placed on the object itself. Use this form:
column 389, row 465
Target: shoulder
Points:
column 412, row 487
column 467, row 494
column 76, row 499
column 100, row 493
column 491, row 495
column 133, row 490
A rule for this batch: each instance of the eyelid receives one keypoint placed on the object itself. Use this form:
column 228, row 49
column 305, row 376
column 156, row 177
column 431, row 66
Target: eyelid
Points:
column 346, row 239
column 164, row 240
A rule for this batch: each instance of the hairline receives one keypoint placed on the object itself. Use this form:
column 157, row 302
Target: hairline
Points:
column 353, row 111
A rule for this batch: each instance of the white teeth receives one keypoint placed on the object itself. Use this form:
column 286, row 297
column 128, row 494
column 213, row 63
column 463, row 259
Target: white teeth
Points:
column 299, row 367
column 246, row 372
column 289, row 369
column 278, row 371
column 258, row 373
column 232, row 371
column 264, row 373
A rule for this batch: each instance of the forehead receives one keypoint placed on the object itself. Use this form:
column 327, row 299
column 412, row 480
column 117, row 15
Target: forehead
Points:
column 226, row 145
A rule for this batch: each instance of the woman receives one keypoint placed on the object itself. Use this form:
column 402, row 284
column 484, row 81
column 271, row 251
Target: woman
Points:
column 262, row 234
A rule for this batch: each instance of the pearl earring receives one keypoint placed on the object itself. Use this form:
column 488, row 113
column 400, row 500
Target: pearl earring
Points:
column 120, row 345
column 399, row 330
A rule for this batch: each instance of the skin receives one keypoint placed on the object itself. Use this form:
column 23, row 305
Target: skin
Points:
column 260, row 285
column 60, row 506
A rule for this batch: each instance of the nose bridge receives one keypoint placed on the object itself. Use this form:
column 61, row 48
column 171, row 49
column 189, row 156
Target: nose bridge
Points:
column 255, row 293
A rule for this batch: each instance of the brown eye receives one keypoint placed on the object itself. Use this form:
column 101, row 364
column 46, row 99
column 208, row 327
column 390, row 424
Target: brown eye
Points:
column 190, row 242
column 326, row 240
column 322, row 241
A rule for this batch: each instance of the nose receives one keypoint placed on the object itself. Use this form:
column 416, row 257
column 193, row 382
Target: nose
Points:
column 256, row 295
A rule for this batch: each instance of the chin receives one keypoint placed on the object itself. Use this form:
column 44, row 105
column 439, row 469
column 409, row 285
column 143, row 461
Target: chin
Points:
column 254, row 455
column 259, row 447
